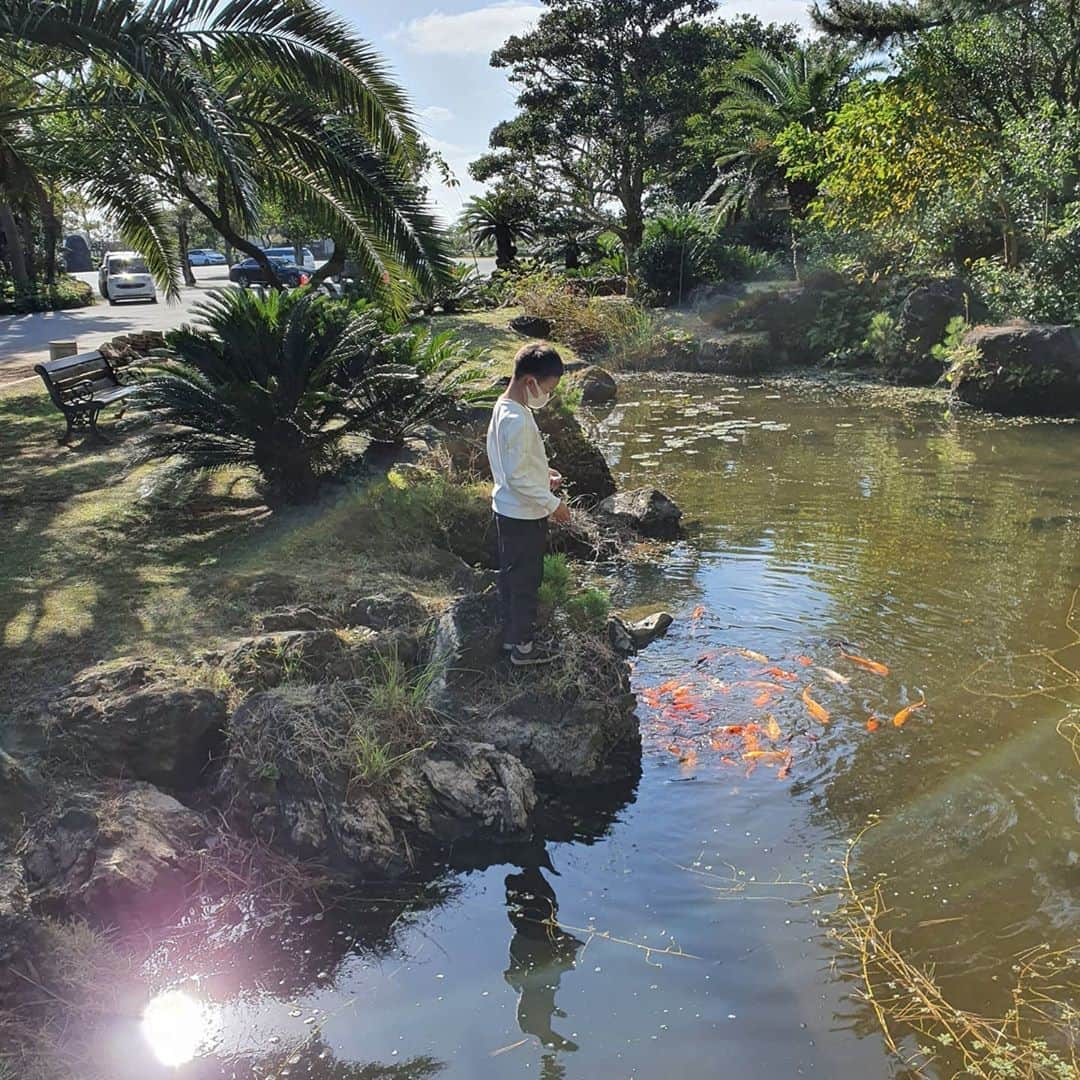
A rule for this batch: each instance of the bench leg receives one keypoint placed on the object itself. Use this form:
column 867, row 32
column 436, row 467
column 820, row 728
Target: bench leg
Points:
column 65, row 439
column 95, row 431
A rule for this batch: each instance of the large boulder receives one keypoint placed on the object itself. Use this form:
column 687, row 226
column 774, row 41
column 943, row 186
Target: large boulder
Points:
column 646, row 511
column 296, row 774
column 714, row 304
column 572, row 724
column 572, row 453
column 1020, row 369
column 924, row 318
column 626, row 638
column 531, row 326
column 121, row 855
column 467, row 639
column 268, row 660
column 136, row 719
column 22, row 794
column 785, row 314
column 296, row 617
column 400, row 609
column 749, row 353
column 597, row 386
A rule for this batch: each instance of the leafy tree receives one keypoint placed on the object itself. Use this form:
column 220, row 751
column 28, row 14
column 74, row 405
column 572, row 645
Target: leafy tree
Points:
column 766, row 95
column 502, row 217
column 601, row 85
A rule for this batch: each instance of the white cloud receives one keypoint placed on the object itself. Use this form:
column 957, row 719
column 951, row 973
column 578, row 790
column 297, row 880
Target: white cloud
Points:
column 481, row 30
column 771, row 11
column 435, row 114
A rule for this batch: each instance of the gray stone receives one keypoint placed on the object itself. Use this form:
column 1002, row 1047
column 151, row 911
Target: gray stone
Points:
column 1020, row 369
column 713, row 304
column 317, row 806
column 645, row 631
column 645, row 510
column 16, row 921
column 531, row 326
column 296, row 617
column 598, row 387
column 585, row 471
column 619, row 637
column 136, row 719
column 297, row 656
column 467, row 639
column 385, row 612
column 120, row 855
column 22, row 794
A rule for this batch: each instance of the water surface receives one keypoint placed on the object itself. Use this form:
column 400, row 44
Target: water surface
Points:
column 822, row 512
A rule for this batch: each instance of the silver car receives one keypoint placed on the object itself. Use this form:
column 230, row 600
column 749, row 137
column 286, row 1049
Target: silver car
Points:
column 307, row 259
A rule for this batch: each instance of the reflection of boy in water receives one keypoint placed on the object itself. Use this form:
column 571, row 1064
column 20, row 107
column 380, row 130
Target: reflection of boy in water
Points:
column 539, row 954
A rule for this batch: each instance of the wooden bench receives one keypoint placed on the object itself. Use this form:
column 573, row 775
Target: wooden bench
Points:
column 80, row 387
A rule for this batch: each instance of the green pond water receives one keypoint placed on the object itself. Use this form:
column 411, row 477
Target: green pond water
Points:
column 822, row 512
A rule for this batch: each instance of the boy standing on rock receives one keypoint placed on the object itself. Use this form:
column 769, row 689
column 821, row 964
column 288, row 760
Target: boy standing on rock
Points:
column 524, row 498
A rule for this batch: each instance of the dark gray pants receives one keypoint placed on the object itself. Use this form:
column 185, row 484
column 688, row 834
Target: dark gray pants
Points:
column 521, row 569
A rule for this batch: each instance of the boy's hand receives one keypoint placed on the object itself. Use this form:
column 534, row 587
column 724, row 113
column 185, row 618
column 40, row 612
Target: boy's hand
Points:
column 561, row 514
column 555, row 479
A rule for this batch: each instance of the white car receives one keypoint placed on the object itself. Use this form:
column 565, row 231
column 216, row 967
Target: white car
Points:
column 123, row 276
column 205, row 257
column 308, row 260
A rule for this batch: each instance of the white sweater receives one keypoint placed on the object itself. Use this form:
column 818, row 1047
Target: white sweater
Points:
column 518, row 463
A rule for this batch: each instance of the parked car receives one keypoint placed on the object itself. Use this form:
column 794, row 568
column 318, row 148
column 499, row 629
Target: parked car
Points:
column 205, row 257
column 288, row 253
column 249, row 272
column 123, row 276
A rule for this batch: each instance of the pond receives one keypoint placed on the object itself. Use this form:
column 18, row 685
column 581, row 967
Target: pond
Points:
column 695, row 903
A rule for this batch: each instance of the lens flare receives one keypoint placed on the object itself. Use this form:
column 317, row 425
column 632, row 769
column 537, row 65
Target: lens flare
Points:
column 174, row 1024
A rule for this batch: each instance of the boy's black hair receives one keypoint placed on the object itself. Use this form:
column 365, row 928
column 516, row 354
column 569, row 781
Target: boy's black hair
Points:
column 539, row 360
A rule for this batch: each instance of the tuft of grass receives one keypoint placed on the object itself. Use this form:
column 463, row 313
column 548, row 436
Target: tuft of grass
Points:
column 557, row 581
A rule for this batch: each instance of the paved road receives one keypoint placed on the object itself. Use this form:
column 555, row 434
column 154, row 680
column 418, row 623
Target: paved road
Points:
column 24, row 339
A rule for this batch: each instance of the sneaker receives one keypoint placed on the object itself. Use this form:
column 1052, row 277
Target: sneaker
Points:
column 520, row 656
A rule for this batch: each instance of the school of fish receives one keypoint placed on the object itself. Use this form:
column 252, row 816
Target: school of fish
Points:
column 694, row 713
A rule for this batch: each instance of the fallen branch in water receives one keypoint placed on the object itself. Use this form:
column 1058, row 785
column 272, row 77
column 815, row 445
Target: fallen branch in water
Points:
column 903, row 995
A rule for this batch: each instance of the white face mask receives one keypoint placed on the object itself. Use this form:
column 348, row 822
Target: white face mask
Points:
column 536, row 399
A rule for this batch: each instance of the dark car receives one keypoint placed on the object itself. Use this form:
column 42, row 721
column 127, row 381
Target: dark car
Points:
column 249, row 272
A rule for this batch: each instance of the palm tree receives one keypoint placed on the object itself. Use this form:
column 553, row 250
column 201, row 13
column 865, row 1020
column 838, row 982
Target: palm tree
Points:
column 765, row 95
column 504, row 217
column 239, row 94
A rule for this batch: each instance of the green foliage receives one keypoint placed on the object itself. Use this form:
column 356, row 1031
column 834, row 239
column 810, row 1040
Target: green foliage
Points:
column 684, row 247
column 883, row 341
column 586, row 609
column 951, row 348
column 67, row 293
column 276, row 383
column 555, row 588
column 589, row 610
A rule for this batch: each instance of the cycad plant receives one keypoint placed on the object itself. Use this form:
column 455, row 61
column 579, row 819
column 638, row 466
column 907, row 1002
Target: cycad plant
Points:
column 502, row 217
column 275, row 383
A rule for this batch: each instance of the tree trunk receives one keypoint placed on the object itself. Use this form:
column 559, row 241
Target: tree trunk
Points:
column 334, row 265
column 26, row 224
column 51, row 225
column 505, row 248
column 220, row 221
column 182, row 239
column 13, row 249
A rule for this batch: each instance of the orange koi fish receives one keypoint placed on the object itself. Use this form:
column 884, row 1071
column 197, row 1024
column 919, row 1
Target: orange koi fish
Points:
column 779, row 673
column 834, row 676
column 762, row 699
column 768, row 756
column 761, row 684
column 818, row 712
column 870, row 665
column 872, row 723
column 697, row 613
column 749, row 654
column 900, row 719
column 804, row 660
column 772, row 728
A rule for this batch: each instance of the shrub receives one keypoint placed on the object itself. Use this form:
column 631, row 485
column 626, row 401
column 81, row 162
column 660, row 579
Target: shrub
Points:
column 68, row 292
column 883, row 341
column 683, row 248
column 276, row 383
column 586, row 609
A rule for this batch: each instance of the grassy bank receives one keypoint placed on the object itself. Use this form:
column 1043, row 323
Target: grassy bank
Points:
column 100, row 562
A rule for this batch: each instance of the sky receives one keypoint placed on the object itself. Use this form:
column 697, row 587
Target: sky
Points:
column 440, row 56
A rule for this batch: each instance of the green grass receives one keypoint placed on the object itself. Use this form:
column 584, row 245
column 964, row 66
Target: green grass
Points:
column 490, row 330
column 97, row 565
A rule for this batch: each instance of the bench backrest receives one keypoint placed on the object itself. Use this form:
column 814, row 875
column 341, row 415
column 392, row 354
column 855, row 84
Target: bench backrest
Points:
column 76, row 376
